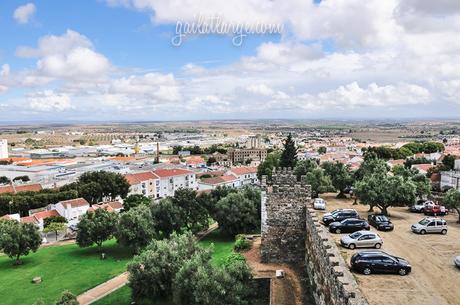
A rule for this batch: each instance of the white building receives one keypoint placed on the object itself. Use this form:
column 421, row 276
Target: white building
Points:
column 72, row 210
column 247, row 175
column 212, row 183
column 144, row 183
column 169, row 180
column 3, row 149
column 451, row 179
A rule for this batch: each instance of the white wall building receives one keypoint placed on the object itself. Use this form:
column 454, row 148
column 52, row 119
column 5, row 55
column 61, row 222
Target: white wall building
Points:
column 451, row 179
column 212, row 183
column 72, row 210
column 169, row 180
column 3, row 149
column 247, row 175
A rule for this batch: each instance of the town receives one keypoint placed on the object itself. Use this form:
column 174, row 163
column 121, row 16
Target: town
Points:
column 55, row 188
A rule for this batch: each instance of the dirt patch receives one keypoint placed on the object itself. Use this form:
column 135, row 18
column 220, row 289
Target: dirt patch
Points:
column 434, row 278
column 285, row 291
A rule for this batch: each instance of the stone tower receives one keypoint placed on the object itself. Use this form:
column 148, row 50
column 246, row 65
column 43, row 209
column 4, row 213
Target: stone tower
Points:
column 284, row 201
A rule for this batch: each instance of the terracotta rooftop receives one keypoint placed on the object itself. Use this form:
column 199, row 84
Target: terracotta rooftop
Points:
column 243, row 170
column 219, row 180
column 45, row 214
column 74, row 203
column 164, row 173
column 137, row 178
column 13, row 189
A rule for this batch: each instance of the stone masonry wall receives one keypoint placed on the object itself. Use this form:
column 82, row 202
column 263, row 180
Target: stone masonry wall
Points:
column 283, row 218
column 330, row 279
column 291, row 233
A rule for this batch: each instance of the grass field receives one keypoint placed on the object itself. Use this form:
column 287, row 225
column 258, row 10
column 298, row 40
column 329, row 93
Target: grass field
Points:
column 223, row 247
column 60, row 267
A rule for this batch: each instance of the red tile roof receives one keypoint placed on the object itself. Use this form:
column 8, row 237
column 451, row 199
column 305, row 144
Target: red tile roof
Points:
column 114, row 204
column 243, row 170
column 219, row 180
column 74, row 203
column 137, row 178
column 29, row 219
column 164, row 173
column 20, row 188
column 45, row 214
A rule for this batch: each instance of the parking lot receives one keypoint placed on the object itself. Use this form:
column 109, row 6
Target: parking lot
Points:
column 434, row 278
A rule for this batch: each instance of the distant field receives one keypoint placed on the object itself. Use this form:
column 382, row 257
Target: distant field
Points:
column 60, row 267
column 223, row 247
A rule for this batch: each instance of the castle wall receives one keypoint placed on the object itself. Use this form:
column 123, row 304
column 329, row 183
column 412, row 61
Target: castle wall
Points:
column 291, row 233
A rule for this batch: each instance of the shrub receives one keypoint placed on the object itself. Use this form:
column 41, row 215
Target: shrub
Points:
column 241, row 244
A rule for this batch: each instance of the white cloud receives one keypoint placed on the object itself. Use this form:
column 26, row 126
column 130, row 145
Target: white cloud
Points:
column 24, row 13
column 70, row 56
column 5, row 70
column 49, row 101
column 260, row 89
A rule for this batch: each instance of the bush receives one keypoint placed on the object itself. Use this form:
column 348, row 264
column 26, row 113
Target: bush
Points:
column 241, row 244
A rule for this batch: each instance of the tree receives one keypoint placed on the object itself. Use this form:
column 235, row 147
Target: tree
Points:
column 111, row 185
column 95, row 228
column 4, row 180
column 452, row 201
column 340, row 176
column 200, row 283
column 135, row 228
column 237, row 214
column 384, row 191
column 211, row 161
column 55, row 227
column 193, row 214
column 266, row 167
column 18, row 239
column 422, row 185
column 135, row 200
column 319, row 181
column 67, row 298
column 404, row 172
column 448, row 162
column 322, row 150
column 166, row 218
column 303, row 167
column 371, row 165
column 151, row 273
column 51, row 219
column 289, row 155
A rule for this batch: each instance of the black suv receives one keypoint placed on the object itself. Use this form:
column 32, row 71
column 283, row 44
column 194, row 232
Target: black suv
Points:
column 380, row 222
column 349, row 225
column 368, row 262
column 339, row 215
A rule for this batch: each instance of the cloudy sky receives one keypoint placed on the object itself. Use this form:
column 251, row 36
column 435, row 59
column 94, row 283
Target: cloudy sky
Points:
column 115, row 60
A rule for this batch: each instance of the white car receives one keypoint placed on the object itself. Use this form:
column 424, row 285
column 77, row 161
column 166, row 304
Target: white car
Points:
column 457, row 261
column 362, row 239
column 319, row 204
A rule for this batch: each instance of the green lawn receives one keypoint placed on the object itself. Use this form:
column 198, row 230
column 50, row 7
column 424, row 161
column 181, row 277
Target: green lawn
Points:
column 223, row 247
column 60, row 267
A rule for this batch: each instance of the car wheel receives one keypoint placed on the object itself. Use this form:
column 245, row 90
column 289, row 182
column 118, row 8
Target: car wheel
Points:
column 337, row 231
column 444, row 232
column 422, row 232
column 378, row 246
column 351, row 246
column 402, row 271
column 367, row 271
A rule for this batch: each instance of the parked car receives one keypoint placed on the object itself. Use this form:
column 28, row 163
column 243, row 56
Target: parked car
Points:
column 435, row 210
column 421, row 205
column 380, row 222
column 339, row 215
column 430, row 225
column 348, row 225
column 368, row 262
column 319, row 204
column 362, row 239
column 457, row 261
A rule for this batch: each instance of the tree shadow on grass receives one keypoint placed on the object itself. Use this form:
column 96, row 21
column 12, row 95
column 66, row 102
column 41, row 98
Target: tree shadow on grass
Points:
column 111, row 251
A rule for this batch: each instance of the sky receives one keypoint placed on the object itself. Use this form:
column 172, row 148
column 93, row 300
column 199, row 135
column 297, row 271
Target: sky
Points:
column 120, row 60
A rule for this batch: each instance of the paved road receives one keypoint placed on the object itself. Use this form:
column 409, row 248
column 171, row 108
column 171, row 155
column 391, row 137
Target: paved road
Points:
column 103, row 289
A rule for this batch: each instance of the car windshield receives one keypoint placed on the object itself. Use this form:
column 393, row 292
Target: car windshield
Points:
column 424, row 222
column 355, row 235
column 335, row 212
column 381, row 218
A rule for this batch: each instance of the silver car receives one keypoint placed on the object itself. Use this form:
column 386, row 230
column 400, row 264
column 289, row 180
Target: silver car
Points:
column 362, row 239
column 319, row 204
column 457, row 261
column 430, row 225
